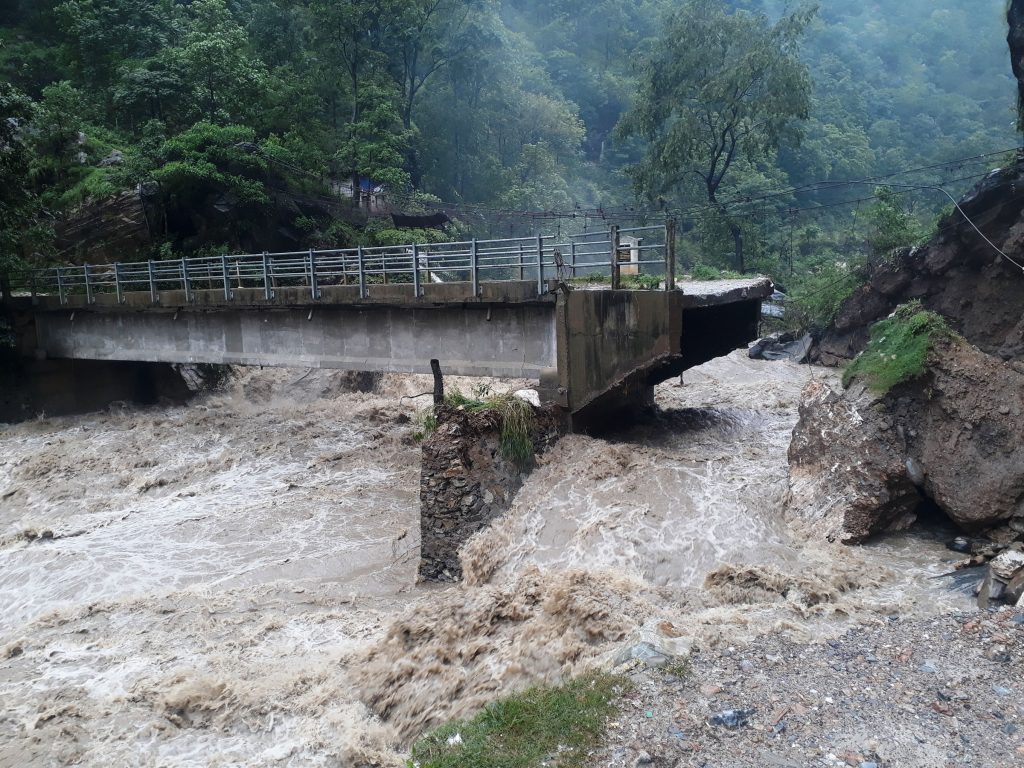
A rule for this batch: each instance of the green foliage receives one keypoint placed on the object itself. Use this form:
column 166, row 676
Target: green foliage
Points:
column 816, row 296
column 515, row 414
column 531, row 728
column 208, row 158
column 17, row 202
column 890, row 225
column 513, row 104
column 898, row 349
column 719, row 88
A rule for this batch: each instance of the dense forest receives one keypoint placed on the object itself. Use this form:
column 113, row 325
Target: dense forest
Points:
column 241, row 124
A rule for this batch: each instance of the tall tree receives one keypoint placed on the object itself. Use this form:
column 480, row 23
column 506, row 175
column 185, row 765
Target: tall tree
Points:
column 719, row 86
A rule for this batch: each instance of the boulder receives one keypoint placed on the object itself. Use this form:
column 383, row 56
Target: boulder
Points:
column 847, row 463
column 859, row 462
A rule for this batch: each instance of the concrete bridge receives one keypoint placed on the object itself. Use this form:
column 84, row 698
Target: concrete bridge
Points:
column 597, row 319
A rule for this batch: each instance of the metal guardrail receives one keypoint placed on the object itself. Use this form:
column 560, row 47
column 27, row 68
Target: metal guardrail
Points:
column 616, row 252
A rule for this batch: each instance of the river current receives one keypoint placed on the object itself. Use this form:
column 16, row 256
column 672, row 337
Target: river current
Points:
column 232, row 582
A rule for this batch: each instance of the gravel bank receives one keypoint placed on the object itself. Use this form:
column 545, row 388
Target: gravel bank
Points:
column 908, row 693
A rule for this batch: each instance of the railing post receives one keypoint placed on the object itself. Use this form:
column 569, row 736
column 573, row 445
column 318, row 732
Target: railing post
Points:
column 268, row 291
column 314, row 288
column 362, row 272
column 153, row 298
column 416, row 271
column 184, row 281
column 572, row 255
column 88, row 284
column 670, row 255
column 225, row 276
column 60, row 285
column 474, row 268
column 540, row 265
column 616, row 272
column 521, row 258
column 117, row 282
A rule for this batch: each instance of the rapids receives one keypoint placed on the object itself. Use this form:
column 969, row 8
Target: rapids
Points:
column 233, row 582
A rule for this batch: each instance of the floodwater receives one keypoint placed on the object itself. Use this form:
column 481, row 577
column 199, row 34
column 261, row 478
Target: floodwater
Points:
column 232, row 583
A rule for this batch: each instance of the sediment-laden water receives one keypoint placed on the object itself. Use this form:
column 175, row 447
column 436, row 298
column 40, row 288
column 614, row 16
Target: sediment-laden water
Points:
column 232, row 582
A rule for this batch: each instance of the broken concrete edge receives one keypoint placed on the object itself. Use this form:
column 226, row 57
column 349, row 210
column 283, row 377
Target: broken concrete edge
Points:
column 466, row 482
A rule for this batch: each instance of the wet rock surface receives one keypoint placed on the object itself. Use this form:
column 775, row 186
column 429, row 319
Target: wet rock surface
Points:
column 782, row 346
column 931, row 693
column 858, row 460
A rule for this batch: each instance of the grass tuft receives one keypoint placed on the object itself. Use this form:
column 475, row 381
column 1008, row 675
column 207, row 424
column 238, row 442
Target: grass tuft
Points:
column 517, row 420
column 626, row 282
column 898, row 349
column 556, row 726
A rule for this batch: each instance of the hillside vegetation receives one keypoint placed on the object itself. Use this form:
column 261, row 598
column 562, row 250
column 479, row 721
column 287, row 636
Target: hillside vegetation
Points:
column 514, row 116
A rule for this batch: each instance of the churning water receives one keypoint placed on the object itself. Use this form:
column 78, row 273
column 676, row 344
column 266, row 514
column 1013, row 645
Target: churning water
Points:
column 232, row 583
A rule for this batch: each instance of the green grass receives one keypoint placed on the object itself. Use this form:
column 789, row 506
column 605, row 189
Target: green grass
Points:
column 626, row 282
column 702, row 272
column 517, row 420
column 898, row 349
column 550, row 726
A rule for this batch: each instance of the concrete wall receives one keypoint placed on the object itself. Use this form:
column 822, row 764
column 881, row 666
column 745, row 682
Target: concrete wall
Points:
column 611, row 340
column 478, row 340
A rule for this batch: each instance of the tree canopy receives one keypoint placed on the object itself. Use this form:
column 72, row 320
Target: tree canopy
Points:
column 738, row 117
column 717, row 89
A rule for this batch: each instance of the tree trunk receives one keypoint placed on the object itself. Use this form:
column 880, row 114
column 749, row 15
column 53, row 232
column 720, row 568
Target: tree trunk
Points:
column 737, row 239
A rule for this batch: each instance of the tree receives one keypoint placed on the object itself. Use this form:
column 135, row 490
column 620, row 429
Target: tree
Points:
column 891, row 225
column 16, row 198
column 226, row 77
column 718, row 87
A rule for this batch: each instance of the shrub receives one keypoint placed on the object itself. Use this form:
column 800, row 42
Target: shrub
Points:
column 517, row 420
column 815, row 300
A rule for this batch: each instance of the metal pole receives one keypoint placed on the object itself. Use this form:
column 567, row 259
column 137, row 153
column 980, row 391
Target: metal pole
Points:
column 117, row 282
column 521, row 259
column 540, row 265
column 184, row 281
column 616, row 275
column 314, row 288
column 60, row 285
column 152, row 284
column 225, row 276
column 416, row 271
column 670, row 255
column 572, row 255
column 475, row 277
column 88, row 284
column 267, row 291
column 362, row 272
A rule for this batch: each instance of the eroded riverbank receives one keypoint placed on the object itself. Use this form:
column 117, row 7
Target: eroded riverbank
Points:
column 233, row 583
